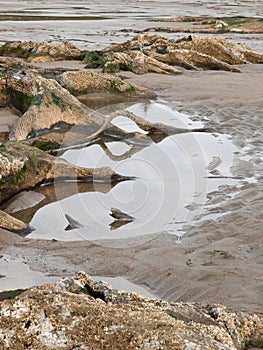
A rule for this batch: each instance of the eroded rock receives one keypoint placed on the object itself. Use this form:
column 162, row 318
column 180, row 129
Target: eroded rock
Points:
column 36, row 167
column 84, row 81
column 137, row 62
column 41, row 52
column 237, row 24
column 79, row 313
column 44, row 103
column 24, row 200
column 191, row 52
column 10, row 223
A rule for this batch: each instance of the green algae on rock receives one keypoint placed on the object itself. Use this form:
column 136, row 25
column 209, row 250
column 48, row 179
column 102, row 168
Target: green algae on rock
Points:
column 23, row 167
column 41, row 52
column 84, row 81
column 44, row 102
column 213, row 25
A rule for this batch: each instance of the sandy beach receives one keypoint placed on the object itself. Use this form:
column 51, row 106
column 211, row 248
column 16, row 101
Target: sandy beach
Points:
column 219, row 258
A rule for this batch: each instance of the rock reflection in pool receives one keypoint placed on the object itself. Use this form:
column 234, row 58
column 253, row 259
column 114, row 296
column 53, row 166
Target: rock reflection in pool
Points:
column 168, row 194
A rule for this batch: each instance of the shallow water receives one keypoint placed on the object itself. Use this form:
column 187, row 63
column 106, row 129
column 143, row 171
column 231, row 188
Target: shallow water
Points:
column 16, row 274
column 95, row 25
column 173, row 177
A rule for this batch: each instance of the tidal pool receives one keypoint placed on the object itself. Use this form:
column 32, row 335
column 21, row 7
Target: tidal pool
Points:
column 173, row 175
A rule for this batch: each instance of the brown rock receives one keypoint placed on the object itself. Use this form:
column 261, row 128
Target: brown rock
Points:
column 84, row 81
column 23, row 167
column 192, row 52
column 44, row 103
column 40, row 52
column 10, row 223
column 139, row 63
column 78, row 313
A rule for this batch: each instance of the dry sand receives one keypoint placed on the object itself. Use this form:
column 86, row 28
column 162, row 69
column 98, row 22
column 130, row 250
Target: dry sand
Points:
column 218, row 260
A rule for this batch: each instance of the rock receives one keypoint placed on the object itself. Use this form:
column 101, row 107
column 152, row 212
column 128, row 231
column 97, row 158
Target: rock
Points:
column 43, row 103
column 72, row 223
column 23, row 200
column 146, row 53
column 79, row 313
column 211, row 25
column 121, row 218
column 119, row 215
column 41, row 52
column 12, row 224
column 23, row 167
column 137, row 62
column 84, row 81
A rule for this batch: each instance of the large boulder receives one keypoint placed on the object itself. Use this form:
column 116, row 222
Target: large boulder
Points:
column 79, row 313
column 42, row 101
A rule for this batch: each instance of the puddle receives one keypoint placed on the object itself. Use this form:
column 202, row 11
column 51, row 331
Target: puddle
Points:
column 15, row 274
column 173, row 175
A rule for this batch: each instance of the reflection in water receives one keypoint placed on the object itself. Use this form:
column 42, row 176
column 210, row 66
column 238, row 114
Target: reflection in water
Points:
column 169, row 192
column 121, row 218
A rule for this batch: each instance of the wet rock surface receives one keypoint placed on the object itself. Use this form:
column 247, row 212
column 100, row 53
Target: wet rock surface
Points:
column 83, row 82
column 79, row 313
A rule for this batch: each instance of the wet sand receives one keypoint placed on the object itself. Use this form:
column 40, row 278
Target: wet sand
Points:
column 94, row 26
column 217, row 260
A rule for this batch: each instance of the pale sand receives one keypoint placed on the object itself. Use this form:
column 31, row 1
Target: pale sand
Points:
column 218, row 261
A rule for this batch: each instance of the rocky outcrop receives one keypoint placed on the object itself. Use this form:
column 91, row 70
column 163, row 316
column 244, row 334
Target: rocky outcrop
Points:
column 23, row 167
column 78, row 313
column 137, row 62
column 146, row 53
column 44, row 102
column 84, row 81
column 211, row 25
column 41, row 52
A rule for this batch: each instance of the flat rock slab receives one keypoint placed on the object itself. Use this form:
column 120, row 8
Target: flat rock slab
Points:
column 24, row 200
